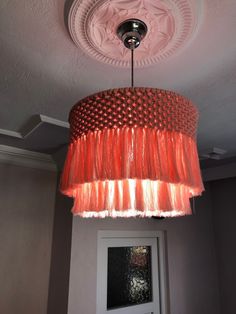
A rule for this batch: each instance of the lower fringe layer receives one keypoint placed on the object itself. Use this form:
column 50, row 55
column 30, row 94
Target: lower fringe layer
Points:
column 131, row 197
column 132, row 172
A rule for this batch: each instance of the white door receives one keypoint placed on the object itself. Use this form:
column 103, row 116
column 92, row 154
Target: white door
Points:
column 139, row 294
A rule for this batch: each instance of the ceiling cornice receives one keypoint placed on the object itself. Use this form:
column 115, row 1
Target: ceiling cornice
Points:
column 32, row 125
column 25, row 158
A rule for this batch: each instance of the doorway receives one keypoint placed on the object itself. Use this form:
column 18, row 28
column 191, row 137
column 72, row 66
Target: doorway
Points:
column 131, row 272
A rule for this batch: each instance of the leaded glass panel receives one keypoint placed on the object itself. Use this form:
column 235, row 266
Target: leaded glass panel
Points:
column 129, row 276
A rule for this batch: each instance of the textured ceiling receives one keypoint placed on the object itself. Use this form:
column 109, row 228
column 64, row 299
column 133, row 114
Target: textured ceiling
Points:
column 43, row 72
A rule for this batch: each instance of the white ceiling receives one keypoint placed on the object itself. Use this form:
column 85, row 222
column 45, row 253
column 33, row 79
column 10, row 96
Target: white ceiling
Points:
column 43, row 72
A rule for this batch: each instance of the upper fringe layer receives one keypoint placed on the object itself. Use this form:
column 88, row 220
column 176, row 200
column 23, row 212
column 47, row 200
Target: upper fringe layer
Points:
column 104, row 163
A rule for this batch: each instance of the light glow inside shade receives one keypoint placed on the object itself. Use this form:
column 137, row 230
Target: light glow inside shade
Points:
column 132, row 152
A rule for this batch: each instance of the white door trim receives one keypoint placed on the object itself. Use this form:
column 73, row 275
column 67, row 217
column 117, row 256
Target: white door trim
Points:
column 160, row 236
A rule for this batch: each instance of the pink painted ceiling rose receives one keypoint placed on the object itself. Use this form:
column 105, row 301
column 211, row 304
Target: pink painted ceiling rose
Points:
column 171, row 25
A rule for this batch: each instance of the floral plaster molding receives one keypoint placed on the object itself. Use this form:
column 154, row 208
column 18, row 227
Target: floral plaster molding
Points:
column 171, row 24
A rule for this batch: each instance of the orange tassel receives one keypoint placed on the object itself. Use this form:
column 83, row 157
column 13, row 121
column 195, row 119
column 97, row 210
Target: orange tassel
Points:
column 156, row 176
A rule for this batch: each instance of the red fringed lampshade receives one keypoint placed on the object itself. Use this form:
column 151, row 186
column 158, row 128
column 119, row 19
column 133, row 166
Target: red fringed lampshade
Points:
column 132, row 152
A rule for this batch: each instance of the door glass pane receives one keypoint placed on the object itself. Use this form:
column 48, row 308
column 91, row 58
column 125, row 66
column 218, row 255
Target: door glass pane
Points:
column 129, row 278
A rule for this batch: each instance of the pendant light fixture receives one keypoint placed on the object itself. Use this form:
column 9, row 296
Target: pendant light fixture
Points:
column 132, row 150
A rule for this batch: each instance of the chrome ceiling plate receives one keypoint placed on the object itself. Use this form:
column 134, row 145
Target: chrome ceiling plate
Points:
column 131, row 32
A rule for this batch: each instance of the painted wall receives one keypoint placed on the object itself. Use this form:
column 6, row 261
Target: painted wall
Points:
column 35, row 247
column 193, row 280
column 224, row 218
column 26, row 222
column 60, row 259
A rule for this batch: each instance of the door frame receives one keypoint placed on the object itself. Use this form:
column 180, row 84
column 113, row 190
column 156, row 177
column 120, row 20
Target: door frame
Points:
column 162, row 260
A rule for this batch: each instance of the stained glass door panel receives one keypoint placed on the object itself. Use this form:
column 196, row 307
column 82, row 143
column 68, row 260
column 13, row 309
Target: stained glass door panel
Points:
column 129, row 276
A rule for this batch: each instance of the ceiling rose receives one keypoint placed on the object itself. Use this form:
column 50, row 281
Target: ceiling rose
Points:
column 172, row 24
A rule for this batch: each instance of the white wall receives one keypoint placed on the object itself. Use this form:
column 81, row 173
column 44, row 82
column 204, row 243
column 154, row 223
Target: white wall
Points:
column 193, row 285
column 26, row 223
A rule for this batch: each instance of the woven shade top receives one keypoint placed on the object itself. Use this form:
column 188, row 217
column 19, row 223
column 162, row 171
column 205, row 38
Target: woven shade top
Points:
column 133, row 107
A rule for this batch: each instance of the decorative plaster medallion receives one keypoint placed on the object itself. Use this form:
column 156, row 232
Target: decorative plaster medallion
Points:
column 171, row 25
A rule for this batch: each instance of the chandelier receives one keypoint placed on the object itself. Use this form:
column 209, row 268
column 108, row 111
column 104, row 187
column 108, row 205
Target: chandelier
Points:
column 132, row 150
